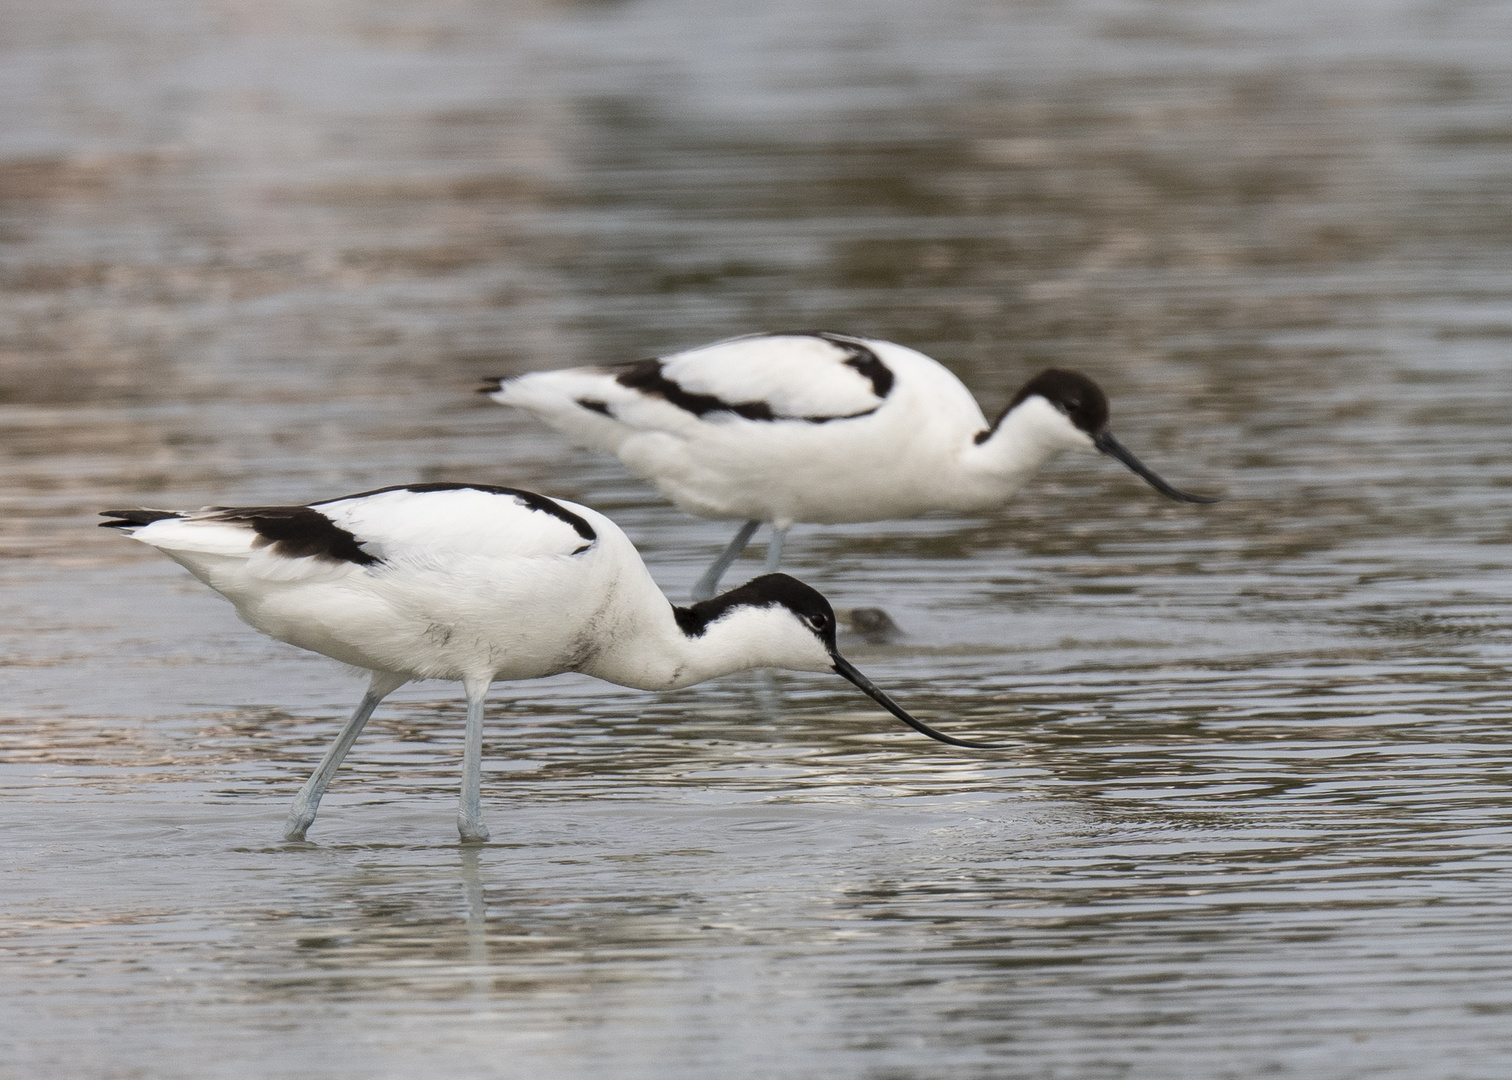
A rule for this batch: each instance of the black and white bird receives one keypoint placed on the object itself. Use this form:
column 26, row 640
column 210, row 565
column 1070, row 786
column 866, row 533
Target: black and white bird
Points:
column 819, row 427
column 477, row 583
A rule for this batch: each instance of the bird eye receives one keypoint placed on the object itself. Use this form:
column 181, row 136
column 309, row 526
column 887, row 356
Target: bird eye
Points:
column 818, row 622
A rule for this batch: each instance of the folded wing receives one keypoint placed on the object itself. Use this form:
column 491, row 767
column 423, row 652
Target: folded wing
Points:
column 771, row 378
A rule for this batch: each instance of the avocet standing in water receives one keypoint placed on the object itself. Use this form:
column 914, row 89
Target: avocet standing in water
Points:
column 822, row 428
column 478, row 583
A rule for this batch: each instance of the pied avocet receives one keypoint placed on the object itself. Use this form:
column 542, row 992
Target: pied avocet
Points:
column 819, row 427
column 479, row 583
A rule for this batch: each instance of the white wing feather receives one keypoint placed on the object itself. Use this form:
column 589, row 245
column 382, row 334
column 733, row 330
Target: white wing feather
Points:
column 417, row 528
column 798, row 376
column 407, row 524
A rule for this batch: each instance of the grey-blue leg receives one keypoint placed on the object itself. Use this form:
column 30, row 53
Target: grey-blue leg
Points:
column 710, row 581
column 774, row 549
column 470, row 811
column 307, row 802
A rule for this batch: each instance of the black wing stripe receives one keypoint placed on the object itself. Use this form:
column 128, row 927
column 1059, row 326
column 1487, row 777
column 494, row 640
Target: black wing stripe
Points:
column 648, row 377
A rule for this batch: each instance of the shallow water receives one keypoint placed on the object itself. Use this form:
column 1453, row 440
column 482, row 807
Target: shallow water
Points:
column 1255, row 819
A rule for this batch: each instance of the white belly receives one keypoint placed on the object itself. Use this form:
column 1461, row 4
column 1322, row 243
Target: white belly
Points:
column 901, row 461
column 438, row 623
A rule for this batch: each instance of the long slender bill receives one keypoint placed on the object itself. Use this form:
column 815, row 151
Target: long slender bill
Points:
column 844, row 668
column 1113, row 448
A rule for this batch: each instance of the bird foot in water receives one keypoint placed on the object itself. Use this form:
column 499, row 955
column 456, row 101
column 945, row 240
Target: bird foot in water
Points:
column 871, row 623
column 472, row 832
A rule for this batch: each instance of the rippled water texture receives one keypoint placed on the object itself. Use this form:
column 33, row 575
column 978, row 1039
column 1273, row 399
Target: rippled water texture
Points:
column 1256, row 814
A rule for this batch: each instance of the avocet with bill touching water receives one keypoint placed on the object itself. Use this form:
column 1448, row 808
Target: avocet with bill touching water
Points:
column 819, row 427
column 477, row 583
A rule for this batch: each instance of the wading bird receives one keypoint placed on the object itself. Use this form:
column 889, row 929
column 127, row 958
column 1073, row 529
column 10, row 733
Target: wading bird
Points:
column 477, row 583
column 822, row 428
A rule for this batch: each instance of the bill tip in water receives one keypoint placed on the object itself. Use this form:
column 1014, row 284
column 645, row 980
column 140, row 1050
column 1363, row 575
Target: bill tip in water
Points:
column 1105, row 442
column 846, row 670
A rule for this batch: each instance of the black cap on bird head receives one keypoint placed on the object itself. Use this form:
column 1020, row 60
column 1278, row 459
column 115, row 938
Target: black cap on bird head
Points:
column 1086, row 406
column 768, row 590
column 1081, row 399
column 1072, row 393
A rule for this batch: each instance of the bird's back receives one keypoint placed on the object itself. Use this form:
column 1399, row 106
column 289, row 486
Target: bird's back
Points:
column 433, row 581
column 783, row 427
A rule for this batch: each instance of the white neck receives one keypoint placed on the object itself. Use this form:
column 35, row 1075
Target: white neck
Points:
column 655, row 654
column 1025, row 441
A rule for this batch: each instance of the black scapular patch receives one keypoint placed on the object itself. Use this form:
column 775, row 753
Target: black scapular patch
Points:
column 1081, row 399
column 595, row 406
column 863, row 360
column 297, row 532
column 127, row 519
column 648, row 377
column 765, row 591
column 529, row 498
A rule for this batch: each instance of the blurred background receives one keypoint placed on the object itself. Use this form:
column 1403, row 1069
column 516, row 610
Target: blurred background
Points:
column 1256, row 820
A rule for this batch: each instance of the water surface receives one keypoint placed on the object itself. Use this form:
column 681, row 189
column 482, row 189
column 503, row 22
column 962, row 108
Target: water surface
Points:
column 1255, row 818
